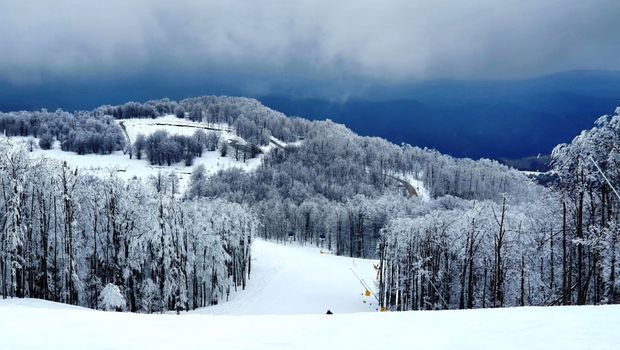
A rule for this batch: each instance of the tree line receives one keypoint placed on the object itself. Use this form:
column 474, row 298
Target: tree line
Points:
column 249, row 119
column 81, row 132
column 161, row 148
column 559, row 247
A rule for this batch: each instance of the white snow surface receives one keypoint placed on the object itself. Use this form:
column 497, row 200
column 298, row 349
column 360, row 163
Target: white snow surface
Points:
column 299, row 281
column 294, row 279
column 418, row 185
column 422, row 191
column 129, row 168
column 282, row 144
column 173, row 125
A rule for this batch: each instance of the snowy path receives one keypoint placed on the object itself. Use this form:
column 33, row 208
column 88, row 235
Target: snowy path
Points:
column 300, row 280
column 410, row 189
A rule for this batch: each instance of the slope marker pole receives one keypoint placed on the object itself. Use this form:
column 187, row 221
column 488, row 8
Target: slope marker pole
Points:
column 364, row 284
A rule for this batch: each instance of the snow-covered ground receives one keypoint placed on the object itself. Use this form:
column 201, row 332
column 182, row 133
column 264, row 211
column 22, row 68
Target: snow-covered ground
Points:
column 301, row 283
column 414, row 181
column 422, row 191
column 279, row 143
column 32, row 324
column 173, row 125
column 531, row 173
column 128, row 168
column 295, row 279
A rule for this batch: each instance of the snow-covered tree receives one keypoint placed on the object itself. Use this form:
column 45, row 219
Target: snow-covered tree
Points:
column 111, row 298
column 69, row 237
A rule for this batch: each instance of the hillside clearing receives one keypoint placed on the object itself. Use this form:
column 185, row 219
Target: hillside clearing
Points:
column 127, row 168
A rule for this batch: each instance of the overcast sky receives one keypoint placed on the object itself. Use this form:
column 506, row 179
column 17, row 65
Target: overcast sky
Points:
column 386, row 40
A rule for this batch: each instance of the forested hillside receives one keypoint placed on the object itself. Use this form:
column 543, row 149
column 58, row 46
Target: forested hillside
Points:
column 76, row 238
column 490, row 238
column 469, row 118
column 485, row 236
column 558, row 247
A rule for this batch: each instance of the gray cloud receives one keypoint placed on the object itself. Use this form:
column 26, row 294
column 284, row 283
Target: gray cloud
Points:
column 389, row 40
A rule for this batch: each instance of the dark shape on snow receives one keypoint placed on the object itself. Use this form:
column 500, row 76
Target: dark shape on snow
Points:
column 329, row 312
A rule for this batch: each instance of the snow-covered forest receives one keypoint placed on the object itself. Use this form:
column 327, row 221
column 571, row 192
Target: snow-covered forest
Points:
column 80, row 132
column 76, row 238
column 485, row 235
column 557, row 246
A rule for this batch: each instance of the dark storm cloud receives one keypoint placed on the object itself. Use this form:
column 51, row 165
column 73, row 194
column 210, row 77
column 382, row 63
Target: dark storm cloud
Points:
column 388, row 40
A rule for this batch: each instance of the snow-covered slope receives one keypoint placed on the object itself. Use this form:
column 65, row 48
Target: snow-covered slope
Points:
column 173, row 125
column 301, row 282
column 128, row 168
column 33, row 324
column 419, row 186
column 413, row 185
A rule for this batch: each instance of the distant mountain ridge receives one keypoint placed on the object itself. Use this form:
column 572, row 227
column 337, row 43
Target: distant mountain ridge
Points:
column 496, row 119
column 474, row 118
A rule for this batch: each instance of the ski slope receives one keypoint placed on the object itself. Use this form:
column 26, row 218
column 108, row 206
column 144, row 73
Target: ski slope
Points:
column 294, row 279
column 283, row 308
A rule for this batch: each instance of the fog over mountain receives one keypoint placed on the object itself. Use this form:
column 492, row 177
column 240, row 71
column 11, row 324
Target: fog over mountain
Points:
column 395, row 40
